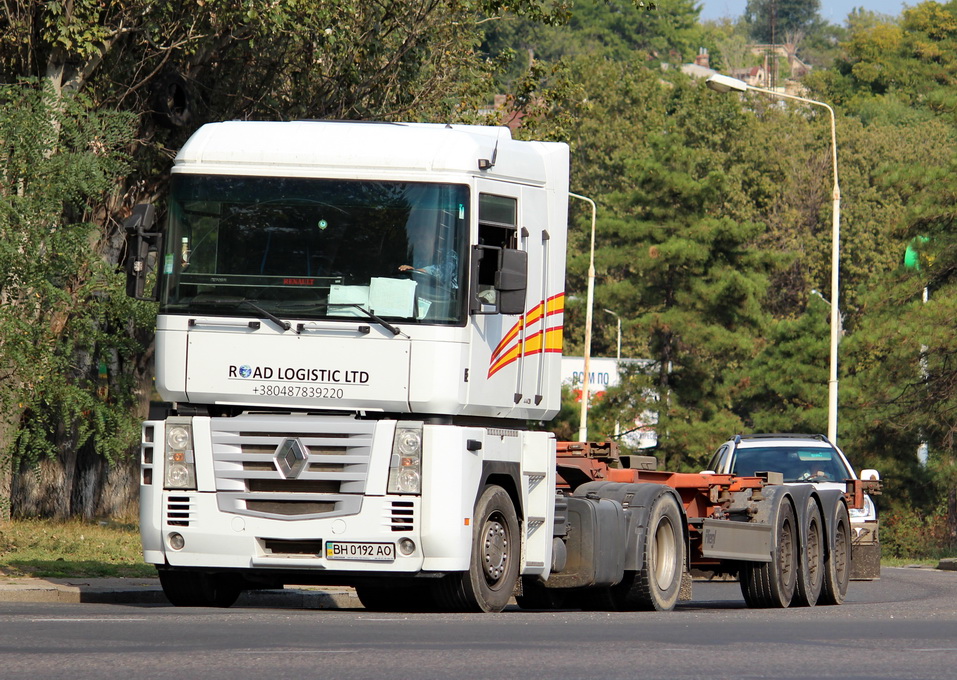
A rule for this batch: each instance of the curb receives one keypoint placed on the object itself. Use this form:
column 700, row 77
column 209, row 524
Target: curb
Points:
column 148, row 591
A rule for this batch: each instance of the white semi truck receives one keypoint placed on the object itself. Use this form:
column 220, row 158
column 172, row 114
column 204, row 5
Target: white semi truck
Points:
column 356, row 323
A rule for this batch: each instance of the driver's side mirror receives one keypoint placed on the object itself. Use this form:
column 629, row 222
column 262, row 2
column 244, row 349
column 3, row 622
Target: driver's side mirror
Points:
column 511, row 280
column 141, row 242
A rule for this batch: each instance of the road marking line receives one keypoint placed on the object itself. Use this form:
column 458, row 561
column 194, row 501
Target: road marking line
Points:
column 84, row 620
column 298, row 651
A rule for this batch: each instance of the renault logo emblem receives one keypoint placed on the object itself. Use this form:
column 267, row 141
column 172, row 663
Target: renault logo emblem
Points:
column 291, row 457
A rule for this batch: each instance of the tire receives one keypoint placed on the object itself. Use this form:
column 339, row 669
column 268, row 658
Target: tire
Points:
column 810, row 580
column 490, row 580
column 772, row 584
column 200, row 589
column 657, row 583
column 837, row 565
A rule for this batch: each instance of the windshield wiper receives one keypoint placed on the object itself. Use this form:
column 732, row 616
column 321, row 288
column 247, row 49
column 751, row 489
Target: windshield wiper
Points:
column 375, row 317
column 285, row 325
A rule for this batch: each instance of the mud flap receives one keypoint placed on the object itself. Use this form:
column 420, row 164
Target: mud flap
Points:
column 865, row 551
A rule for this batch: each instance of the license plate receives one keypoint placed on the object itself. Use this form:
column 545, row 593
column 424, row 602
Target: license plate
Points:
column 342, row 550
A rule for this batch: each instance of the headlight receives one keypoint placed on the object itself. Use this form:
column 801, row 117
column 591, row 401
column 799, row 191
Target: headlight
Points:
column 408, row 442
column 405, row 471
column 180, row 468
column 865, row 513
column 178, row 437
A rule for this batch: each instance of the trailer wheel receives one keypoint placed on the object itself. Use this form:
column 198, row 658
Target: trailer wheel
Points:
column 837, row 566
column 490, row 580
column 772, row 584
column 658, row 581
column 811, row 570
column 199, row 589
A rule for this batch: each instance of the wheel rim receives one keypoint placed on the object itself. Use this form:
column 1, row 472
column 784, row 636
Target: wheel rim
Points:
column 663, row 565
column 786, row 554
column 495, row 550
column 814, row 554
column 840, row 553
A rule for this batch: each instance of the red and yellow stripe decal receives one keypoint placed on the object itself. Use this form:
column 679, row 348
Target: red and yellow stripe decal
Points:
column 550, row 340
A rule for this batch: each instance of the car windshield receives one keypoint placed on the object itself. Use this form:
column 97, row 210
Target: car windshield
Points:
column 315, row 248
column 795, row 463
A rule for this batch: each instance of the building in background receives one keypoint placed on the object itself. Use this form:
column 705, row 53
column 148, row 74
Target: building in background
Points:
column 636, row 431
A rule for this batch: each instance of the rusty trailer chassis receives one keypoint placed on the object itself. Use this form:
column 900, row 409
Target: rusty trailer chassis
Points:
column 786, row 543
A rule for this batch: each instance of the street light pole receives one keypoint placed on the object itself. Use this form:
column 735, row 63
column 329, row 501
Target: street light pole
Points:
column 721, row 83
column 617, row 364
column 583, row 423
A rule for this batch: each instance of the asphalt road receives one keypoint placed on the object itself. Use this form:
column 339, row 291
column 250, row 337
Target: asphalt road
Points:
column 903, row 626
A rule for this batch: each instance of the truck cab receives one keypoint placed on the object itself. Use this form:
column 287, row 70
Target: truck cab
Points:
column 355, row 322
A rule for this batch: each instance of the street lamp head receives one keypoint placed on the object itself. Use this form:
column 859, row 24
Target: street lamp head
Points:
column 720, row 83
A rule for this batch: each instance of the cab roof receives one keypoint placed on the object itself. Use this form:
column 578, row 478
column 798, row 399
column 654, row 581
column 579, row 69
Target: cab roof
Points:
column 364, row 150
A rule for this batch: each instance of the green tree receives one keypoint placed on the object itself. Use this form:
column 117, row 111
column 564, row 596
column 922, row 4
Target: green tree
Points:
column 173, row 70
column 779, row 21
column 681, row 273
column 59, row 160
column 617, row 29
column 906, row 354
column 785, row 389
column 902, row 71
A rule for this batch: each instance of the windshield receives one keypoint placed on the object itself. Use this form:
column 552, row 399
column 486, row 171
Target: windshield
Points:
column 797, row 464
column 315, row 248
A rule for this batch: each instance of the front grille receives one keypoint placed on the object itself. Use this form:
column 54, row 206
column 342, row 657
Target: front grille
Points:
column 321, row 470
column 179, row 511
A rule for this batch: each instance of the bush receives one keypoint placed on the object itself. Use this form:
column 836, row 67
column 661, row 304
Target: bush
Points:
column 914, row 535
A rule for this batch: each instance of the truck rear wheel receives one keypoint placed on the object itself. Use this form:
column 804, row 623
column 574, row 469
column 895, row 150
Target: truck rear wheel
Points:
column 811, row 570
column 772, row 584
column 200, row 589
column 837, row 565
column 490, row 580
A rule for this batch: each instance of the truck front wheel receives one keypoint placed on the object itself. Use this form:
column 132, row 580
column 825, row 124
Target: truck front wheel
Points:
column 493, row 569
column 200, row 589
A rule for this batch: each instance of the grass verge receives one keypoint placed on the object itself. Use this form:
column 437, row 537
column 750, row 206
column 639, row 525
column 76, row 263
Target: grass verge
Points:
column 71, row 549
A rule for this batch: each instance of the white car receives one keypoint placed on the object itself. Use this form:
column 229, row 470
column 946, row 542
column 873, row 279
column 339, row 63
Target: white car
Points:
column 802, row 459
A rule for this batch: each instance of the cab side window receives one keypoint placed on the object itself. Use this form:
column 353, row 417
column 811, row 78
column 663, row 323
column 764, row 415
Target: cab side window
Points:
column 498, row 232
